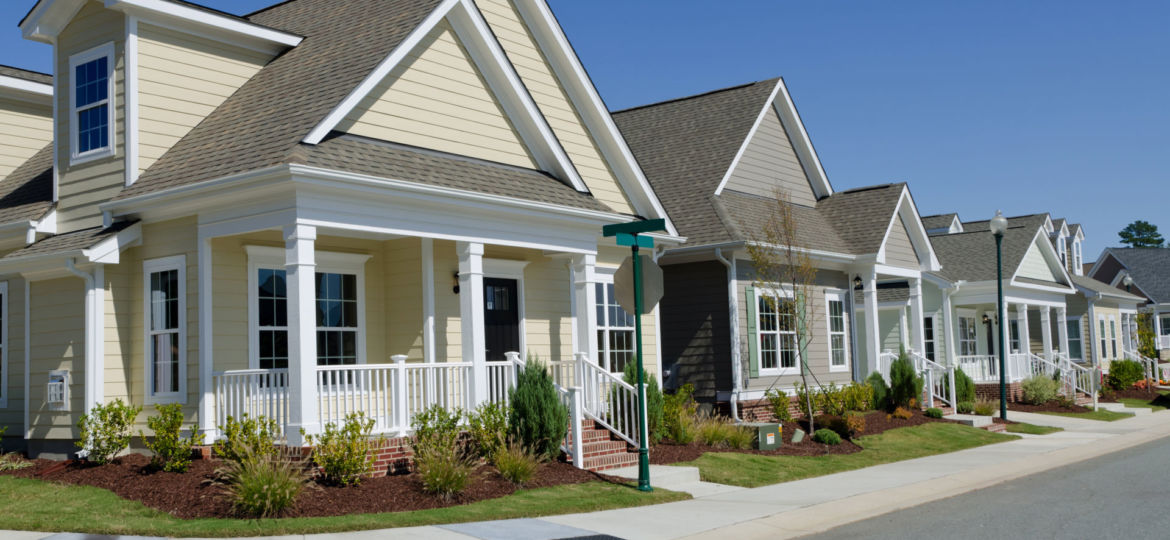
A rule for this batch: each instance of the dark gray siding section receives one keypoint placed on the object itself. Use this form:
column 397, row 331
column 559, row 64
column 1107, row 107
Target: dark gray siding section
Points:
column 696, row 335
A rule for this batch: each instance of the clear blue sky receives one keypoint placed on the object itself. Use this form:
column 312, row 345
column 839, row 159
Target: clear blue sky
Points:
column 1035, row 106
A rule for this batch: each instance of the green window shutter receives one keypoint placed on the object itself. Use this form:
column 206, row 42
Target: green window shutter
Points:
column 753, row 340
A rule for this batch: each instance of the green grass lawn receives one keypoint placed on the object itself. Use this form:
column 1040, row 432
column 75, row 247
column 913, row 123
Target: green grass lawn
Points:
column 1032, row 429
column 1160, row 402
column 751, row 470
column 1101, row 414
column 34, row 505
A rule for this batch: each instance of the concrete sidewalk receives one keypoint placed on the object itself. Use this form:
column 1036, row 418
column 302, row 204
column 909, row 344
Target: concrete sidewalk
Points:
column 817, row 504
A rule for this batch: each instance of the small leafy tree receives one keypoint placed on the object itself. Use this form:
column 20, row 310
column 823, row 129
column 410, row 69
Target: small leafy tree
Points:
column 105, row 431
column 1141, row 234
column 781, row 260
column 538, row 419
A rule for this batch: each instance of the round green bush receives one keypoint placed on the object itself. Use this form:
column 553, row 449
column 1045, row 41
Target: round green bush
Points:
column 966, row 407
column 826, row 436
column 934, row 412
column 1123, row 373
column 1039, row 390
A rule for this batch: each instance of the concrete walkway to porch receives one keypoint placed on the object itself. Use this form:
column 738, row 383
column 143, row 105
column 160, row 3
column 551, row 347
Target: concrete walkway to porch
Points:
column 817, row 504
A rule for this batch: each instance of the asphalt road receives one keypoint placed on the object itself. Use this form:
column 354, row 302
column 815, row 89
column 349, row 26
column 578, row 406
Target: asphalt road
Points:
column 1125, row 495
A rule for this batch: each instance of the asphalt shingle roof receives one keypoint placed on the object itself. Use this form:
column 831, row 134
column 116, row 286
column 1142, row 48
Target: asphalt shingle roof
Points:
column 970, row 256
column 898, row 291
column 34, row 76
column 1104, row 288
column 27, row 192
column 1150, row 269
column 938, row 221
column 69, row 242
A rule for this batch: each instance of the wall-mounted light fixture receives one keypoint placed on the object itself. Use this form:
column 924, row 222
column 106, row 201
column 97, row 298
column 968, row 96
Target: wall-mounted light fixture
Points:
column 455, row 288
column 856, row 282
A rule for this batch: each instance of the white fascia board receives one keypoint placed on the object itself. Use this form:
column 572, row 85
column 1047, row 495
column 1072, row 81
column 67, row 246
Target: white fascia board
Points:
column 1050, row 257
column 186, row 17
column 571, row 74
column 803, row 146
column 25, row 90
column 918, row 235
column 48, row 18
column 767, row 108
column 1046, row 288
column 896, row 271
column 107, row 251
column 190, row 192
column 939, row 281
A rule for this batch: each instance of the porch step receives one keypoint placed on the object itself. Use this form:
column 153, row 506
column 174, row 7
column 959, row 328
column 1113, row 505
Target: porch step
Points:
column 972, row 420
column 995, row 428
column 602, row 450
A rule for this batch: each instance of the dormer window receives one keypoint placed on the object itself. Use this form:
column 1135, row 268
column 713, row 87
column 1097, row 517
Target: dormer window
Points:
column 1078, row 268
column 1062, row 251
column 91, row 103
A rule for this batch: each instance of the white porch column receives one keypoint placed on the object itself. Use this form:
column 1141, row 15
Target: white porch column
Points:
column 873, row 348
column 1022, row 323
column 1046, row 330
column 301, row 268
column 918, row 332
column 206, row 343
column 949, row 327
column 427, row 252
column 1062, row 329
column 471, row 316
column 585, row 304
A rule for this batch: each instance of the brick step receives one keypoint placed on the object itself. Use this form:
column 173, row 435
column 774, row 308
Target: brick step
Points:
column 595, row 435
column 995, row 428
column 612, row 461
column 604, row 446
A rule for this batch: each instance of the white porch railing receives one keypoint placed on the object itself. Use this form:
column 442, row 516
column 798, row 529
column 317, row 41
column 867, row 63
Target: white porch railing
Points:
column 1038, row 365
column 981, row 368
column 607, row 399
column 1078, row 378
column 938, row 379
column 254, row 392
column 1149, row 365
column 884, row 360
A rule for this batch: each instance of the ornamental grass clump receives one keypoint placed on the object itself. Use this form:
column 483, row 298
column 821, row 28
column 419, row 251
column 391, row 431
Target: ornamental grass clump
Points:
column 720, row 432
column 679, row 415
column 516, row 464
column 264, row 485
column 172, row 452
column 985, row 408
column 248, row 439
column 441, row 459
column 537, row 418
column 105, row 430
column 345, row 454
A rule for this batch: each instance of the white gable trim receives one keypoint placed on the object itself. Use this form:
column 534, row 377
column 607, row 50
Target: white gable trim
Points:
column 1050, row 257
column 571, row 74
column 497, row 70
column 1101, row 258
column 918, row 235
column 748, row 140
column 22, row 90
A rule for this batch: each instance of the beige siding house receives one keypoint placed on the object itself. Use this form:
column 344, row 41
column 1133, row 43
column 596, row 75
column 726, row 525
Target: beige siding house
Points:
column 253, row 214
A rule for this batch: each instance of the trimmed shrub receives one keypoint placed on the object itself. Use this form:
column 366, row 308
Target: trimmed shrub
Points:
column 964, row 386
column 985, row 408
column 247, row 439
column 106, row 431
column 848, row 426
column 832, row 399
column 934, row 412
column 654, row 399
column 905, row 384
column 440, row 458
column 1123, row 373
column 859, row 397
column 826, row 436
column 488, row 426
column 778, row 403
column 678, row 416
column 263, row 486
column 1039, row 389
column 516, row 463
column 538, row 420
column 345, row 455
column 880, row 390
column 171, row 451
column 902, row 413
column 966, row 407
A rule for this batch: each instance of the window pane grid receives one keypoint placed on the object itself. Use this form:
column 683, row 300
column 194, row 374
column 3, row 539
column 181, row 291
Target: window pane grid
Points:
column 164, row 331
column 336, row 318
column 776, row 333
column 837, row 351
column 91, row 102
column 615, row 330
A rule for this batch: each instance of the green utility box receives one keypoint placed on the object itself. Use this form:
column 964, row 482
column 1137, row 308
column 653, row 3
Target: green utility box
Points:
column 768, row 436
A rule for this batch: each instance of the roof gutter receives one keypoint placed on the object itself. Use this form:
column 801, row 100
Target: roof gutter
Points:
column 733, row 309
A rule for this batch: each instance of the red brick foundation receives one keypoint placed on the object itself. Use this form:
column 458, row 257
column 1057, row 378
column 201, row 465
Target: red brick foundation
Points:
column 759, row 410
column 394, row 456
column 990, row 392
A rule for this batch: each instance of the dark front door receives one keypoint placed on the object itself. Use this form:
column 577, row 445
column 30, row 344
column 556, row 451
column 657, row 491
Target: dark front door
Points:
column 501, row 320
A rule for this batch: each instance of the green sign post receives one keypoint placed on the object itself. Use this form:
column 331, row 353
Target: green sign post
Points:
column 628, row 234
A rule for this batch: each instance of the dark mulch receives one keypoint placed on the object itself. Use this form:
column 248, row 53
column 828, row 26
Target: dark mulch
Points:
column 1150, row 395
column 193, row 495
column 1051, row 406
column 876, row 422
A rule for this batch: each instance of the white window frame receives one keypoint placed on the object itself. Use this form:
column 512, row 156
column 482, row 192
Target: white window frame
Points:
column 1014, row 340
column 839, row 296
column 1062, row 251
column 960, row 338
column 1113, row 336
column 1080, row 339
column 151, row 266
column 1104, row 341
column 933, row 339
column 105, row 50
column 1078, row 267
column 273, row 258
column 604, row 276
column 778, row 371
column 3, row 344
column 1163, row 324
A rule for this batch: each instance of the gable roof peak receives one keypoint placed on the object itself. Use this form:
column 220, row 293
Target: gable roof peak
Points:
column 767, row 82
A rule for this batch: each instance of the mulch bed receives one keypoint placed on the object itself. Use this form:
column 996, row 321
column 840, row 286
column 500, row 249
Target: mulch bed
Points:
column 1051, row 406
column 193, row 495
column 1151, row 395
column 876, row 422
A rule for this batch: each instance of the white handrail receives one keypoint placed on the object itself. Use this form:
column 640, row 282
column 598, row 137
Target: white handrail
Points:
column 252, row 392
column 884, row 360
column 608, row 400
column 981, row 368
column 939, row 379
column 1079, row 378
column 1149, row 365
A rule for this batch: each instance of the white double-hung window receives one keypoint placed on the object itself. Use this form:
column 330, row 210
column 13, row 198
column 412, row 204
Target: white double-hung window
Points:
column 615, row 330
column 91, row 104
column 967, row 333
column 776, row 332
column 838, row 344
column 165, row 310
column 340, row 313
column 1076, row 349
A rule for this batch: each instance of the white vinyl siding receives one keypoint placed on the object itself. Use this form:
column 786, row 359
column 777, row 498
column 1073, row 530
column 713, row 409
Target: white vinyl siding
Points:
column 437, row 99
column 899, row 248
column 1034, row 266
column 25, row 128
column 769, row 163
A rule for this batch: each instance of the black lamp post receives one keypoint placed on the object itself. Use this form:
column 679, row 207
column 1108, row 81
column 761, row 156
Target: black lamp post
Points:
column 998, row 227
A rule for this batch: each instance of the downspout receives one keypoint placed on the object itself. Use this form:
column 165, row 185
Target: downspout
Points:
column 94, row 313
column 733, row 309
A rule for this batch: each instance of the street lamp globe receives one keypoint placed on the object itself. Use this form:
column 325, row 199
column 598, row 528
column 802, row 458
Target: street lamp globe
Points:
column 1127, row 281
column 999, row 224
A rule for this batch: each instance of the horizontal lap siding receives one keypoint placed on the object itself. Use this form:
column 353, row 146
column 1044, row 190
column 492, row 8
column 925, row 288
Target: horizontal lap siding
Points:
column 181, row 79
column 1034, row 266
column 554, row 103
column 899, row 249
column 769, row 163
column 57, row 342
column 24, row 129
column 12, row 416
column 696, row 336
column 84, row 186
column 437, row 99
column 404, row 297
